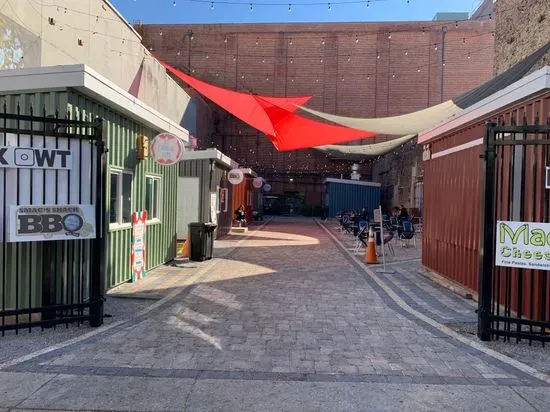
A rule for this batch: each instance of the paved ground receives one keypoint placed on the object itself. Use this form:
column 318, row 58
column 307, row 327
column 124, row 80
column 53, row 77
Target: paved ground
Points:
column 286, row 321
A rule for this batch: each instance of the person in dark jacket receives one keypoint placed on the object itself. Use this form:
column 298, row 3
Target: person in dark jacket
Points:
column 240, row 215
column 404, row 214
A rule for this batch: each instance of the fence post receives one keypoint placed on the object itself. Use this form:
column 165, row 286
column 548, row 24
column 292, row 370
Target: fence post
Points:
column 99, row 268
column 487, row 226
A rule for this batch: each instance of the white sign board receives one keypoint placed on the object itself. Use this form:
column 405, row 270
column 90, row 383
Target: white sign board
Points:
column 167, row 149
column 523, row 245
column 235, row 176
column 35, row 158
column 36, row 223
column 377, row 215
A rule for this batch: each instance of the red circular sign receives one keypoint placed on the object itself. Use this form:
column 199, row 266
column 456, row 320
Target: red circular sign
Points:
column 167, row 149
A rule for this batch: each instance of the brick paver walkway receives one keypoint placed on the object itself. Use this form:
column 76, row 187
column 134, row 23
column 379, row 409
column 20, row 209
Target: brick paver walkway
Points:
column 288, row 321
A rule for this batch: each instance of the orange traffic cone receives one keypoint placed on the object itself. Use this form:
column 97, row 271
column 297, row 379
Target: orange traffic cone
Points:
column 370, row 251
column 187, row 247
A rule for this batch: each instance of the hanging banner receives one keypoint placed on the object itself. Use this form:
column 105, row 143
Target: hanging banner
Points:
column 51, row 222
column 167, row 149
column 523, row 245
column 235, row 176
column 35, row 158
column 214, row 208
column 257, row 182
column 223, row 199
column 138, row 245
column 267, row 187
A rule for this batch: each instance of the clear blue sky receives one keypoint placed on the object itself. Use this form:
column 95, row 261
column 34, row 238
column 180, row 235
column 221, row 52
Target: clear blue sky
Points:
column 186, row 11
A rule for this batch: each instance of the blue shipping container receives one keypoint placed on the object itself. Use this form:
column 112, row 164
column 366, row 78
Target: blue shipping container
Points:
column 351, row 195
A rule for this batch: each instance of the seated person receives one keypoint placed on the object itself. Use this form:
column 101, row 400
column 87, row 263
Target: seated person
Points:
column 403, row 213
column 240, row 216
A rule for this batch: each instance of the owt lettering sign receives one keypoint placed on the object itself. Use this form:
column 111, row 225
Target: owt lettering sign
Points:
column 34, row 158
column 235, row 176
column 51, row 222
column 167, row 149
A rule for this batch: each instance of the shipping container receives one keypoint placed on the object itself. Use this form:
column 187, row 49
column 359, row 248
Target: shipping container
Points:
column 351, row 195
column 453, row 183
column 243, row 194
column 132, row 185
column 204, row 193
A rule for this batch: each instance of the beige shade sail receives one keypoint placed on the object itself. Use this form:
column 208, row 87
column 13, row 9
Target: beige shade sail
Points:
column 407, row 124
column 364, row 151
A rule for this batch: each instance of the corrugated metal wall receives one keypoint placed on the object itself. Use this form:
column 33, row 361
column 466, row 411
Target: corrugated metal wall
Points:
column 121, row 141
column 201, row 169
column 452, row 195
column 243, row 194
column 351, row 196
column 122, row 134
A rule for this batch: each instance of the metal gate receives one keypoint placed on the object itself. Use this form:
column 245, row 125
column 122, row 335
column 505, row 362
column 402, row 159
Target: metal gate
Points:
column 45, row 281
column 514, row 301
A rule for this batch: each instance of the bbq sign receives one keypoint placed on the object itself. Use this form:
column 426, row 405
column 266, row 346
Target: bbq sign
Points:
column 51, row 222
column 35, row 158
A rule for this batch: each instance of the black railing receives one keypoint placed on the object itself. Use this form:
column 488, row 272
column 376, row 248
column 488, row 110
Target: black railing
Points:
column 513, row 301
column 52, row 282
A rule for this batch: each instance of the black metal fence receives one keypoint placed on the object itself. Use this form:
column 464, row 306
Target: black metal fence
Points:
column 514, row 301
column 51, row 282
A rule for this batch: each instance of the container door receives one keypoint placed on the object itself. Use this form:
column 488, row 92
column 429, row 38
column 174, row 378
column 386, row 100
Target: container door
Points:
column 188, row 204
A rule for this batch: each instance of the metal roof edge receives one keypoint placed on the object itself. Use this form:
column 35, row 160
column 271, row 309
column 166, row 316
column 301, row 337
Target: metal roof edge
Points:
column 352, row 182
column 522, row 89
column 211, row 153
column 89, row 82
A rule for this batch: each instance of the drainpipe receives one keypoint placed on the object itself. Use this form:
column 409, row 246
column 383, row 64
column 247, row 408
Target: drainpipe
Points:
column 443, row 34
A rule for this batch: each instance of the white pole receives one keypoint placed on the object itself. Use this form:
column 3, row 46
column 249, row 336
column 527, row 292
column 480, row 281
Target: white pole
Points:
column 384, row 270
column 382, row 238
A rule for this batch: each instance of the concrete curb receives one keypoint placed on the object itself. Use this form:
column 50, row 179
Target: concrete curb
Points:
column 442, row 328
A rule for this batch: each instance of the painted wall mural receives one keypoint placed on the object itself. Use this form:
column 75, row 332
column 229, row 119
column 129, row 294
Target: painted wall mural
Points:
column 19, row 47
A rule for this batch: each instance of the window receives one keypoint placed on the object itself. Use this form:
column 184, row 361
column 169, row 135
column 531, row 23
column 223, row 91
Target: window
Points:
column 121, row 197
column 152, row 197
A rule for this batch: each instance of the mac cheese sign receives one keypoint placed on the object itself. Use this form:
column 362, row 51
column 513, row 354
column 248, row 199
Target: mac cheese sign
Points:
column 523, row 245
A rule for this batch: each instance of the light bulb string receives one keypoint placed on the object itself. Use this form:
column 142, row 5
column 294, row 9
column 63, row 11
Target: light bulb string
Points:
column 243, row 77
column 427, row 27
column 406, row 50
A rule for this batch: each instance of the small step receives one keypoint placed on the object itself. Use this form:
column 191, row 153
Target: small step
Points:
column 239, row 229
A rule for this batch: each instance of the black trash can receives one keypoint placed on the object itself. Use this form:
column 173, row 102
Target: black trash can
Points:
column 202, row 240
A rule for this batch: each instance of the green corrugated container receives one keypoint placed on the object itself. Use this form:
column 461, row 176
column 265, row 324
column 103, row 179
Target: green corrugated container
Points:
column 122, row 135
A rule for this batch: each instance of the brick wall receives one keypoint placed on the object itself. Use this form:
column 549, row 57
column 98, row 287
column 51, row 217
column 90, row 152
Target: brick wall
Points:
column 523, row 26
column 351, row 69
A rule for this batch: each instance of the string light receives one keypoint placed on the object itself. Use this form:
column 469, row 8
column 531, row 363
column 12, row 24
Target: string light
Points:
column 329, row 7
column 323, row 42
column 251, row 7
column 389, row 35
column 257, row 40
column 290, row 42
column 406, row 52
column 368, row 4
column 212, row 6
column 356, row 39
column 289, row 8
column 349, row 59
column 435, row 46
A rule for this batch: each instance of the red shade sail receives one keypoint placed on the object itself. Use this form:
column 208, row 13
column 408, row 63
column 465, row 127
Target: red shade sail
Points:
column 273, row 116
